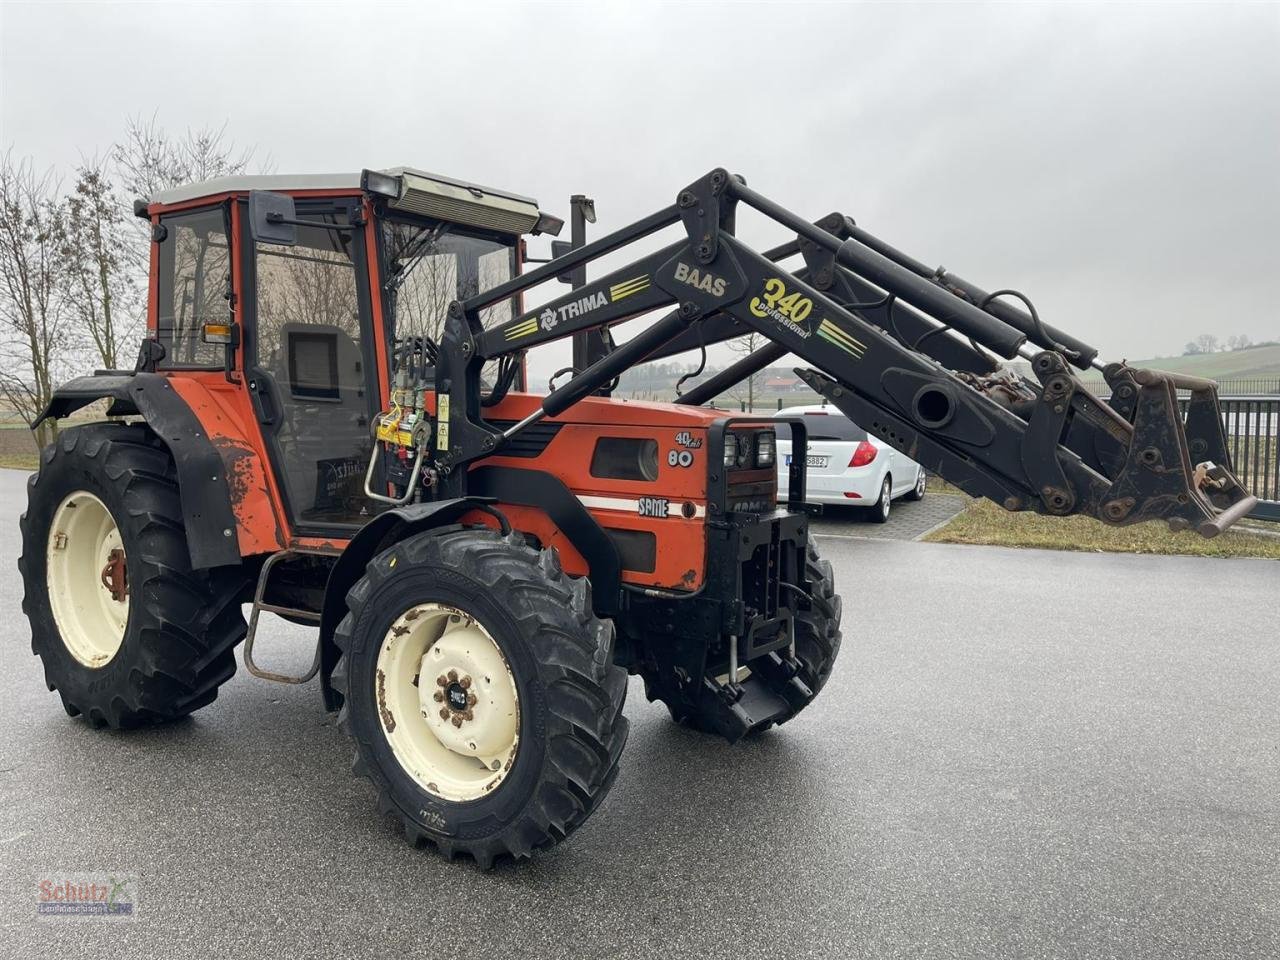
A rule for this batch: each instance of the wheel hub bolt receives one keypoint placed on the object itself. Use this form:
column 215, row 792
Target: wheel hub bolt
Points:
column 455, row 697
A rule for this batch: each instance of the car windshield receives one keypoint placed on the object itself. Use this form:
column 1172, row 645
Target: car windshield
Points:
column 431, row 264
column 831, row 426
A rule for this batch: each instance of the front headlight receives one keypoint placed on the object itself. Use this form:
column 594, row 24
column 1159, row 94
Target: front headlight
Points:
column 766, row 450
column 730, row 450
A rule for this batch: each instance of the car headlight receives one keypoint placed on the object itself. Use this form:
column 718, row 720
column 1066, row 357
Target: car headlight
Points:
column 766, row 450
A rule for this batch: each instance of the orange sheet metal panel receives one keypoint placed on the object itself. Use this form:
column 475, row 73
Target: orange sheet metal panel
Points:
column 223, row 409
column 680, row 486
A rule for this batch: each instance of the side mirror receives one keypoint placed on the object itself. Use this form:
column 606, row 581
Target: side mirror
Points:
column 558, row 249
column 272, row 218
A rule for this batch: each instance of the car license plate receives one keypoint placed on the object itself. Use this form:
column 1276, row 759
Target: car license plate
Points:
column 812, row 460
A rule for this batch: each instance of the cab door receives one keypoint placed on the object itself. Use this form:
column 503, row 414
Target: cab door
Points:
column 312, row 369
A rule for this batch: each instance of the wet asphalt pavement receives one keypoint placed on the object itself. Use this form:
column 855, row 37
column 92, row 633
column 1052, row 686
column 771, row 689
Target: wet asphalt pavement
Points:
column 1021, row 754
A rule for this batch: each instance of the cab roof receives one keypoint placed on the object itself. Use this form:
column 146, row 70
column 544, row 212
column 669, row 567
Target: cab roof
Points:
column 243, row 183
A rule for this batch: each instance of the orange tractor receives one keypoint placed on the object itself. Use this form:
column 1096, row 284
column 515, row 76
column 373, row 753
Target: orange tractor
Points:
column 328, row 421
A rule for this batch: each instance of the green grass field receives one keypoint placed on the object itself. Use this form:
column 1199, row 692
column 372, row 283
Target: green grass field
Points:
column 983, row 522
column 1257, row 362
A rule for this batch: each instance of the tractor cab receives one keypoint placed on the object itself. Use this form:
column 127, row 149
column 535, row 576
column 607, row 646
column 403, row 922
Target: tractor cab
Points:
column 303, row 288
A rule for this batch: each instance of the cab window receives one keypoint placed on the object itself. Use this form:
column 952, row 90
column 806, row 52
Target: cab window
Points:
column 193, row 280
column 431, row 264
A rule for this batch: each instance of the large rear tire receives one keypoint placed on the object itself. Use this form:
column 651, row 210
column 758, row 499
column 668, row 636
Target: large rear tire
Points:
column 481, row 693
column 128, row 632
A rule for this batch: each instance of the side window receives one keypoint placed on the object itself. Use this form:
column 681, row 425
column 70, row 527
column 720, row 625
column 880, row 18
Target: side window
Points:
column 195, row 268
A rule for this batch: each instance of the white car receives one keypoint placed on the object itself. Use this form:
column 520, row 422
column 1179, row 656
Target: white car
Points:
column 847, row 465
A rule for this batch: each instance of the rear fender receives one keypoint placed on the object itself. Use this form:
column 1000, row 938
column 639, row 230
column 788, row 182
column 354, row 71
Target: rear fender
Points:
column 215, row 478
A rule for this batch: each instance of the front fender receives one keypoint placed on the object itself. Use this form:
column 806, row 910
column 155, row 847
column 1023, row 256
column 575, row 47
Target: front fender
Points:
column 374, row 537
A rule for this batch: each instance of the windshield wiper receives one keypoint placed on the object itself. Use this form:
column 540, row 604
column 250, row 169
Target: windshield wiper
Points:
column 413, row 255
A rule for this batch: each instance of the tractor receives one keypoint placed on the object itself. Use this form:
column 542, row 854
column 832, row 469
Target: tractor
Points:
column 329, row 421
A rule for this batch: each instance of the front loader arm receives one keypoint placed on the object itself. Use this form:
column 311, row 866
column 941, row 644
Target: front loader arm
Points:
column 903, row 351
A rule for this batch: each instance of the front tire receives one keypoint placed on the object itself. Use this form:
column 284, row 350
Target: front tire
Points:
column 818, row 627
column 519, row 744
column 128, row 632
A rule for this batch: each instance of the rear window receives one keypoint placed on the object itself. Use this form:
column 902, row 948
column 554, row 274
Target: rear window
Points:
column 832, row 426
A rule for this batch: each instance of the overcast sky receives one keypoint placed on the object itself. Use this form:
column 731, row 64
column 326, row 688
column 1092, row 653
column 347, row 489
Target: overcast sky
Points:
column 1117, row 163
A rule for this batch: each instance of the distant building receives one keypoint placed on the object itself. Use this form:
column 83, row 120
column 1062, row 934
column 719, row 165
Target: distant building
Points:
column 784, row 384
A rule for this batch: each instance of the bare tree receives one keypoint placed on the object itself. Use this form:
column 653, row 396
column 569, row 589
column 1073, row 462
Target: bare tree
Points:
column 422, row 301
column 33, row 321
column 745, row 391
column 1208, row 343
column 101, row 282
column 149, row 160
column 1240, row 342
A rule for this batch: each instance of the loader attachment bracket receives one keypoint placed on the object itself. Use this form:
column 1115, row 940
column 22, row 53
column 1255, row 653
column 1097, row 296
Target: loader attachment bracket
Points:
column 1159, row 478
column 705, row 210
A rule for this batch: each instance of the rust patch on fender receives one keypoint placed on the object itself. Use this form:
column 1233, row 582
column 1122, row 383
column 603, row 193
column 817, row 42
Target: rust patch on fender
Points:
column 247, row 488
column 238, row 458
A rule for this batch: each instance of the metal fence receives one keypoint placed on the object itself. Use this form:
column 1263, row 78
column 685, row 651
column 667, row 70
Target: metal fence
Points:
column 1251, row 423
column 1249, row 387
column 1252, row 426
column 1227, row 387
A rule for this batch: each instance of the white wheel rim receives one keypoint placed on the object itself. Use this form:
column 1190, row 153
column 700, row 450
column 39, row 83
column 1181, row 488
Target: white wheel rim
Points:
column 87, row 579
column 920, row 482
column 447, row 702
column 886, row 494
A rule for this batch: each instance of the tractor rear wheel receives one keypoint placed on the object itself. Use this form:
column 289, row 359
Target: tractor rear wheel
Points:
column 128, row 633
column 481, row 693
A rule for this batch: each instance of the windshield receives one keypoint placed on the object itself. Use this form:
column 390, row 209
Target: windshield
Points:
column 431, row 264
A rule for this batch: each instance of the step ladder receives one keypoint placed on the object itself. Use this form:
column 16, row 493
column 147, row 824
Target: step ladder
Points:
column 308, row 616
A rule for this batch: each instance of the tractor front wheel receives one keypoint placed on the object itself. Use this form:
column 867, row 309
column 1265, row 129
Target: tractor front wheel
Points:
column 481, row 693
column 128, row 632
